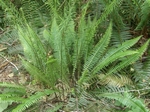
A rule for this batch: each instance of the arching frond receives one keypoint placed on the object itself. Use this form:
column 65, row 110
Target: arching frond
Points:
column 31, row 100
column 136, row 105
column 11, row 93
column 130, row 59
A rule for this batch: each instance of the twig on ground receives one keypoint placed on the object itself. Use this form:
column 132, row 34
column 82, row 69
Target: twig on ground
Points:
column 10, row 63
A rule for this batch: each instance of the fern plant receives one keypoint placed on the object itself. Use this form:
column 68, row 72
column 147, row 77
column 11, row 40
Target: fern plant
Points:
column 64, row 57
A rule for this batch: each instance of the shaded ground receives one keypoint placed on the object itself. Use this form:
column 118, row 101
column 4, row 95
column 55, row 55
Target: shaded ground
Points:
column 7, row 70
column 10, row 68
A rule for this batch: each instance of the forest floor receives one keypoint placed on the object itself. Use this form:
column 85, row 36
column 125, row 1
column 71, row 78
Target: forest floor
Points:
column 10, row 68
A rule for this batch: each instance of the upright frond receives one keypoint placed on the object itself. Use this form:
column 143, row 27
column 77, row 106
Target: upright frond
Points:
column 96, row 53
column 31, row 100
column 98, row 50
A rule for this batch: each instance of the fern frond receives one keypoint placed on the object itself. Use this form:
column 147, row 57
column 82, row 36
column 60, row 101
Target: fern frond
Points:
column 17, row 49
column 98, row 50
column 113, row 54
column 57, row 43
column 38, row 74
column 11, row 12
column 87, row 35
column 9, row 98
column 130, row 59
column 142, row 72
column 108, row 10
column 114, row 80
column 31, row 100
column 96, row 53
column 110, row 83
column 83, row 41
column 9, row 85
column 120, row 34
column 32, row 45
column 12, row 93
column 109, row 59
column 136, row 105
column 145, row 12
column 34, row 12
column 96, row 90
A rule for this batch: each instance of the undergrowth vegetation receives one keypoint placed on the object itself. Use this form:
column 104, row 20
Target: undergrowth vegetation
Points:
column 80, row 55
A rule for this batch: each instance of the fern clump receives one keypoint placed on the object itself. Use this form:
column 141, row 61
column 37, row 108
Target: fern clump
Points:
column 70, row 63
